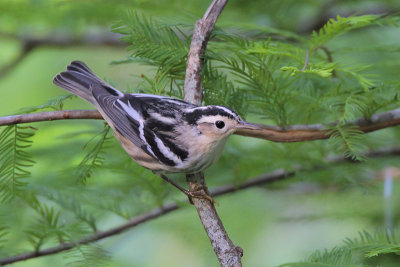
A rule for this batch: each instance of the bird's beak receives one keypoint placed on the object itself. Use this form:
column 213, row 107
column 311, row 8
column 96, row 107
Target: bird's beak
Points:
column 247, row 126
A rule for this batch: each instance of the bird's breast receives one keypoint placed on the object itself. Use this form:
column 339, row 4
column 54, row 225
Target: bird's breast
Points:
column 203, row 154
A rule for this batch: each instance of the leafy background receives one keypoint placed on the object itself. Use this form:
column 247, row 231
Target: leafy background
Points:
column 63, row 180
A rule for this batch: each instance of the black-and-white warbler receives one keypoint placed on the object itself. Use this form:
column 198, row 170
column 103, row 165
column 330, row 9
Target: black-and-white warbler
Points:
column 163, row 134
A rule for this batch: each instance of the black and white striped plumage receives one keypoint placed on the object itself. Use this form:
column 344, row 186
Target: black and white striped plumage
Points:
column 161, row 133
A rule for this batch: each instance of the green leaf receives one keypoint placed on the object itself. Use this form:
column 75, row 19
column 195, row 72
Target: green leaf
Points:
column 87, row 255
column 306, row 264
column 323, row 72
column 349, row 140
column 53, row 104
column 15, row 161
column 339, row 26
column 355, row 251
column 155, row 44
column 94, row 158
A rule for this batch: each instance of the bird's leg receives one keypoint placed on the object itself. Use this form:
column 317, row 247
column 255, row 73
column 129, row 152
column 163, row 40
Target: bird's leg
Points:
column 165, row 178
column 191, row 194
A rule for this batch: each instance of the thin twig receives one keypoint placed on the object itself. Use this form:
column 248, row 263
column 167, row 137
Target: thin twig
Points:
column 291, row 133
column 297, row 133
column 306, row 60
column 25, row 49
column 155, row 213
column 329, row 57
column 59, row 39
column 201, row 34
column 95, row 237
column 227, row 253
column 50, row 116
column 105, row 38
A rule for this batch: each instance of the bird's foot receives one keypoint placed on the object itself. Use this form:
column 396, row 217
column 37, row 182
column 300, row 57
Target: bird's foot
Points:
column 202, row 194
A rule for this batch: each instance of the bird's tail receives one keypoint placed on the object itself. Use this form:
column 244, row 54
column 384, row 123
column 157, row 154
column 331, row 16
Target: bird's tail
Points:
column 78, row 79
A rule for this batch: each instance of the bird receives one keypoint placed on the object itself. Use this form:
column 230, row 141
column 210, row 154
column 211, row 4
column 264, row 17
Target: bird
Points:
column 163, row 134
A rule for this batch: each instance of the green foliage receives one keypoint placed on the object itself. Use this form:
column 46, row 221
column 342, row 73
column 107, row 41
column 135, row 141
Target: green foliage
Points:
column 264, row 75
column 271, row 74
column 367, row 250
column 155, row 44
column 87, row 255
column 94, row 158
column 340, row 26
column 15, row 161
column 48, row 224
column 53, row 104
column 326, row 73
column 283, row 82
column 3, row 236
column 305, row 264
column 68, row 203
column 349, row 140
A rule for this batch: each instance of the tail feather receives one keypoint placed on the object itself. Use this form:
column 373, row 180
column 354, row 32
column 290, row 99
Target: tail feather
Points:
column 78, row 79
column 81, row 67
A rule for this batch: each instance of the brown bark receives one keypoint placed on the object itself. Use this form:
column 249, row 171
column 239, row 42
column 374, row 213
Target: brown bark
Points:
column 227, row 253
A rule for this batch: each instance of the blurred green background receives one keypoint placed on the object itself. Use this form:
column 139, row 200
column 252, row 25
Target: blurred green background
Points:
column 276, row 224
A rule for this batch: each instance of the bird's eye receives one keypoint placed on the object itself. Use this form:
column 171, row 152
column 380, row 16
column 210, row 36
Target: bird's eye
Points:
column 220, row 124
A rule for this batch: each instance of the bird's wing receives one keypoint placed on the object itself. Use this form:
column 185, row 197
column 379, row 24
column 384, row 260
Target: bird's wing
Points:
column 162, row 116
column 147, row 121
column 125, row 119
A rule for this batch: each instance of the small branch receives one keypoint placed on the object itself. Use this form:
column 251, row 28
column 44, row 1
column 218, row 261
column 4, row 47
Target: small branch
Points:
column 298, row 133
column 327, row 52
column 292, row 133
column 155, row 213
column 29, row 43
column 11, row 65
column 329, row 57
column 95, row 237
column 227, row 253
column 64, row 39
column 306, row 60
column 50, row 116
column 201, row 35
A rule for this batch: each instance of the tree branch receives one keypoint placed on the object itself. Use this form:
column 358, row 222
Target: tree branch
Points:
column 105, row 38
column 296, row 133
column 201, row 35
column 25, row 49
column 155, row 213
column 60, row 39
column 291, row 133
column 50, row 116
column 95, row 237
column 227, row 253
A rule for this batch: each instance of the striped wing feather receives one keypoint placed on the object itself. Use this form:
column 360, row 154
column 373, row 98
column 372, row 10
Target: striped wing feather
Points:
column 126, row 123
column 147, row 121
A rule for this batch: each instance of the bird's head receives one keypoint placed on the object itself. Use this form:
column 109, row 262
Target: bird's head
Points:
column 217, row 122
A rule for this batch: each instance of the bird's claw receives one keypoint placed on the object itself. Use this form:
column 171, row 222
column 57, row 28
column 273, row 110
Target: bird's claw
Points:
column 201, row 193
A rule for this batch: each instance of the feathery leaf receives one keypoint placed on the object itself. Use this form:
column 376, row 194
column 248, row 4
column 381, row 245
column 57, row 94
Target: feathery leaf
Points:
column 15, row 161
